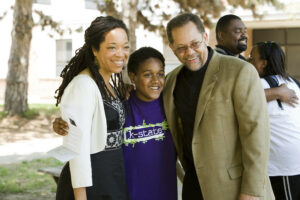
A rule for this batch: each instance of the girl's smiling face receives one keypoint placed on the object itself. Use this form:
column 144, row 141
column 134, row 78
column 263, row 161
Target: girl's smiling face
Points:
column 149, row 79
column 256, row 61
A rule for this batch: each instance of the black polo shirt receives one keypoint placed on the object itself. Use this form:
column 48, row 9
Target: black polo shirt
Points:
column 186, row 94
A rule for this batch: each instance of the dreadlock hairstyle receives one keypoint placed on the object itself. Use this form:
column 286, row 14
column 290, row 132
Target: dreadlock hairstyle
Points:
column 273, row 54
column 84, row 58
column 141, row 55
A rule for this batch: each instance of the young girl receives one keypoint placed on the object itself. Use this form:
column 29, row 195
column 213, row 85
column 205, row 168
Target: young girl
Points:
column 92, row 90
column 149, row 151
column 284, row 163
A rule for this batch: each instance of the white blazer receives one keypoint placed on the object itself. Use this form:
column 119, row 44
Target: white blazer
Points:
column 83, row 98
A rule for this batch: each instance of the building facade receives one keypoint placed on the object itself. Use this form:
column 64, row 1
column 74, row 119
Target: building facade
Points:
column 281, row 26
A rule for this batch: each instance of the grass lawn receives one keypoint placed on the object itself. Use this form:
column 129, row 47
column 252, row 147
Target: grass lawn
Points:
column 22, row 181
column 34, row 110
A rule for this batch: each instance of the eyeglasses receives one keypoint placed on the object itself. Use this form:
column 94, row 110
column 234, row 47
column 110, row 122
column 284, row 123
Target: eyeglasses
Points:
column 182, row 49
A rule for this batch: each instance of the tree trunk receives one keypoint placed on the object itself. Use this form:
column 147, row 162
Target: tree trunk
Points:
column 16, row 80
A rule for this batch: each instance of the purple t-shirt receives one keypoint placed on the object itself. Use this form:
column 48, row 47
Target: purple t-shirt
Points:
column 149, row 151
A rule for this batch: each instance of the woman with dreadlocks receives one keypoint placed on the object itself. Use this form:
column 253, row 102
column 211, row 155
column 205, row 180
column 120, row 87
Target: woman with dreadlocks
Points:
column 93, row 90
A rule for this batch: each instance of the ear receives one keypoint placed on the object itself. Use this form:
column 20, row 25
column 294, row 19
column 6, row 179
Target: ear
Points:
column 94, row 51
column 264, row 63
column 220, row 35
column 132, row 77
column 205, row 38
column 171, row 47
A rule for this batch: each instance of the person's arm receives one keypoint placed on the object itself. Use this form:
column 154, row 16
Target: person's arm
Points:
column 283, row 93
column 253, row 129
column 80, row 193
column 79, row 100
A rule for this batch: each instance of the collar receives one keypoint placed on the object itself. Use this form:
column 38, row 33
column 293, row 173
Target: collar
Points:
column 225, row 51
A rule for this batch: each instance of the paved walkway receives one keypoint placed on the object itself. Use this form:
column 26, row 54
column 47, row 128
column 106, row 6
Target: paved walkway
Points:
column 27, row 149
column 33, row 149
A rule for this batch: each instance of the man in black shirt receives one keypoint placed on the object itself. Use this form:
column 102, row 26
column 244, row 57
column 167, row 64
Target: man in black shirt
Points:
column 217, row 114
column 186, row 96
column 232, row 38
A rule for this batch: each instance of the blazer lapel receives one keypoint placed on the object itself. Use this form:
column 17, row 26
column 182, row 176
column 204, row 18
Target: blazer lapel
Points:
column 168, row 98
column 210, row 78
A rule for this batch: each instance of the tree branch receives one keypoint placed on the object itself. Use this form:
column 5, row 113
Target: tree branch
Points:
column 47, row 21
column 3, row 15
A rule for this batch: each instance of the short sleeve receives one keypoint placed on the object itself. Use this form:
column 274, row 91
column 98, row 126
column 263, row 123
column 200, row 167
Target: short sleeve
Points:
column 264, row 83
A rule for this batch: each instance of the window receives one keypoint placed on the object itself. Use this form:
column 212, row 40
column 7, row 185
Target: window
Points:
column 92, row 4
column 289, row 40
column 48, row 2
column 63, row 54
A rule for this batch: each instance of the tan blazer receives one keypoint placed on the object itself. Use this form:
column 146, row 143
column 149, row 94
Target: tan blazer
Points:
column 231, row 131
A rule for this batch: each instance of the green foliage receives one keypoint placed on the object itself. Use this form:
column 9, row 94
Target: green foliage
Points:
column 3, row 114
column 25, row 178
column 207, row 10
column 30, row 114
column 46, row 108
column 36, row 109
column 33, row 111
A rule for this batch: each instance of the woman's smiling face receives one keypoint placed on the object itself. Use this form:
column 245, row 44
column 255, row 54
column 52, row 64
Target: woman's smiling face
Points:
column 113, row 52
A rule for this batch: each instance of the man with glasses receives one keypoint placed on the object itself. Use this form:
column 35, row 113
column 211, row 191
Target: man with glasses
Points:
column 217, row 114
column 232, row 38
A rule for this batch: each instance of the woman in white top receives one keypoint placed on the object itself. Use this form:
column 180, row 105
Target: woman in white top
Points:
column 92, row 92
column 284, row 163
